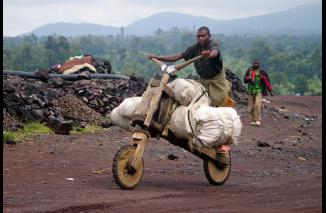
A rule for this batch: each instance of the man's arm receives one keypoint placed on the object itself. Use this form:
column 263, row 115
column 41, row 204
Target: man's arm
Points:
column 267, row 82
column 247, row 78
column 167, row 58
column 210, row 54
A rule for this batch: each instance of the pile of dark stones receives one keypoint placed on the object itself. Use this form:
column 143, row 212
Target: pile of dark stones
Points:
column 56, row 101
column 103, row 66
column 238, row 88
column 62, row 103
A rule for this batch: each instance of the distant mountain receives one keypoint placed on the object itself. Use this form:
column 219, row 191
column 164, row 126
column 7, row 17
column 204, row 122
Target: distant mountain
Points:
column 166, row 21
column 305, row 19
column 301, row 20
column 70, row 29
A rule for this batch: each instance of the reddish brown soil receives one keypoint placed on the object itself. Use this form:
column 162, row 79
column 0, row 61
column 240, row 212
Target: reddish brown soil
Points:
column 285, row 176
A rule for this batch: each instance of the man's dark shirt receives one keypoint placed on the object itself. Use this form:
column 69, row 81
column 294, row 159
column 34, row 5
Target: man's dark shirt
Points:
column 205, row 67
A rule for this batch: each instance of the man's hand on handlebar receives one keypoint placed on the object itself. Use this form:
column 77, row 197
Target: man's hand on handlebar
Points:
column 171, row 70
column 205, row 53
column 150, row 56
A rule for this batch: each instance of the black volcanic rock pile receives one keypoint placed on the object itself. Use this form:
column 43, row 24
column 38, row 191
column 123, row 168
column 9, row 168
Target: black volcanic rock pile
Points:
column 238, row 87
column 103, row 66
column 237, row 84
column 54, row 100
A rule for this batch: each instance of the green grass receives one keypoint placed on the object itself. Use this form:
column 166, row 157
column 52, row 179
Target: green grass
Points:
column 90, row 129
column 8, row 137
column 37, row 128
column 29, row 129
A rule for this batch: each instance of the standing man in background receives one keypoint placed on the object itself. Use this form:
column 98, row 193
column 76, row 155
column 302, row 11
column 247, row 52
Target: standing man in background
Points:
column 258, row 84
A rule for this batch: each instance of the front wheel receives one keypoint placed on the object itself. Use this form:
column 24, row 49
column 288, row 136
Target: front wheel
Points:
column 215, row 173
column 124, row 175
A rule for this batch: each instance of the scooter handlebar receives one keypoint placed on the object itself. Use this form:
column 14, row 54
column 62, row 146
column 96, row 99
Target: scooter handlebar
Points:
column 160, row 64
column 186, row 63
column 177, row 67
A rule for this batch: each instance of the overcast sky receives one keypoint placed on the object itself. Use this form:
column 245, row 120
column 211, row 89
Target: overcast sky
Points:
column 21, row 16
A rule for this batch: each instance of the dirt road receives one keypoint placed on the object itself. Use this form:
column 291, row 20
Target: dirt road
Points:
column 275, row 168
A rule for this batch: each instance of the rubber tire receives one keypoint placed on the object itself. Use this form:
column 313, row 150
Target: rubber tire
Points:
column 122, row 175
column 215, row 174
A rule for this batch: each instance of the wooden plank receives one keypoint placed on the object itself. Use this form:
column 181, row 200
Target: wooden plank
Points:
column 209, row 152
column 165, row 121
column 140, row 113
column 156, row 125
column 165, row 110
column 141, row 139
column 154, row 82
column 156, row 100
column 168, row 91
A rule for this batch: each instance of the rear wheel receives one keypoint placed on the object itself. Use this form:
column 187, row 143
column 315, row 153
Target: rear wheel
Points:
column 215, row 173
column 124, row 175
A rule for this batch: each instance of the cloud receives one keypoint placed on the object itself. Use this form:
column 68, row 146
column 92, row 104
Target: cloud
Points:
column 21, row 16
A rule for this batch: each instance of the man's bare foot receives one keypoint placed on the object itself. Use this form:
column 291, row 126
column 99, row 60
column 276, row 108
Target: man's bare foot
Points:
column 223, row 149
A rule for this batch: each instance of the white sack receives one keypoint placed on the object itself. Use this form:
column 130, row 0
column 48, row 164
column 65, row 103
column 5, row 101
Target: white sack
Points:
column 214, row 126
column 120, row 121
column 177, row 123
column 128, row 107
column 210, row 126
column 123, row 114
column 186, row 91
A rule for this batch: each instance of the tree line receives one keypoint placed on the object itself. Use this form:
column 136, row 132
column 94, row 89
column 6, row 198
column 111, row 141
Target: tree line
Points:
column 294, row 62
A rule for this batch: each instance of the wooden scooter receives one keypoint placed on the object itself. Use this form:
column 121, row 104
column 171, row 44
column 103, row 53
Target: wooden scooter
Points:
column 151, row 120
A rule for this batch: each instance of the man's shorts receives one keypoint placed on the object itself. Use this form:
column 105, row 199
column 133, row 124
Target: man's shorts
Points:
column 218, row 88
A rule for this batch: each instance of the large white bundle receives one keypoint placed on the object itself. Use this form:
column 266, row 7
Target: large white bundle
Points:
column 177, row 123
column 186, row 91
column 208, row 126
column 128, row 107
column 123, row 114
column 120, row 121
column 213, row 126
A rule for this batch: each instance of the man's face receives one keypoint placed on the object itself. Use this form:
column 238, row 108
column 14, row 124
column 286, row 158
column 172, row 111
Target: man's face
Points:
column 202, row 37
column 256, row 65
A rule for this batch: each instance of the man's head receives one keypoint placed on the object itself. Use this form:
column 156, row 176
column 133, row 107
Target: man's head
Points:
column 255, row 63
column 203, row 35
